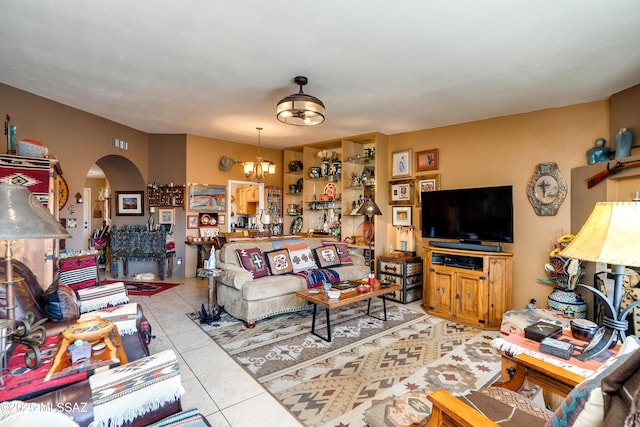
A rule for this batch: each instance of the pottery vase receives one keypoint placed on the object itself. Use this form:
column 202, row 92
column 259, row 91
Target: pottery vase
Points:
column 567, row 301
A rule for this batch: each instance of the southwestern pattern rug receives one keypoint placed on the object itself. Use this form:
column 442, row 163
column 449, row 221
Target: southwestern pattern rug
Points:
column 368, row 360
column 145, row 289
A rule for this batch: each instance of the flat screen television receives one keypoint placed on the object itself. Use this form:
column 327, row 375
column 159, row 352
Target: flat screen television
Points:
column 469, row 215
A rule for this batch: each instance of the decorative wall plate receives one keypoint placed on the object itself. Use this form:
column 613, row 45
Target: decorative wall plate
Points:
column 547, row 189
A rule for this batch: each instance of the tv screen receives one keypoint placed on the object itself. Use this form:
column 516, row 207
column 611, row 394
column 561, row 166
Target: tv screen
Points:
column 471, row 215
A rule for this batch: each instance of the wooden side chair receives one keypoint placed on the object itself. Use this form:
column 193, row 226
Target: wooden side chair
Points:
column 609, row 397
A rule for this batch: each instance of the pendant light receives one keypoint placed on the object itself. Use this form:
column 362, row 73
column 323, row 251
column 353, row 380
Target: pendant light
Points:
column 260, row 169
column 300, row 109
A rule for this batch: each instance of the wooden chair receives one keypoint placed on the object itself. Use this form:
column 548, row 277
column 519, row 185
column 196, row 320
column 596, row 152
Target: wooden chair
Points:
column 622, row 371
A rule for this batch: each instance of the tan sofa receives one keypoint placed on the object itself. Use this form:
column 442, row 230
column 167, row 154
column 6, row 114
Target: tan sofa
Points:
column 251, row 300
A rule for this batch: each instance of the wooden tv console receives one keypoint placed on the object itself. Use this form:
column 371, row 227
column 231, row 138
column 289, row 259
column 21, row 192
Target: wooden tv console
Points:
column 470, row 287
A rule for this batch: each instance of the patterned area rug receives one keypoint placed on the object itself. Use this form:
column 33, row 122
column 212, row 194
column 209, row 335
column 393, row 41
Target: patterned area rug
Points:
column 368, row 360
column 145, row 289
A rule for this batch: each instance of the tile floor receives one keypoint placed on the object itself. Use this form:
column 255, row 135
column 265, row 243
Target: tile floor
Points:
column 214, row 383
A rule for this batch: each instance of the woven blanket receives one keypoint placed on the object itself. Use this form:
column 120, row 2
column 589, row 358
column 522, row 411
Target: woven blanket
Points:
column 318, row 275
column 102, row 296
column 124, row 317
column 518, row 344
column 128, row 391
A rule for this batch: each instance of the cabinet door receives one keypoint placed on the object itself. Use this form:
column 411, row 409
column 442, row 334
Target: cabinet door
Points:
column 441, row 287
column 470, row 297
column 241, row 200
column 499, row 289
column 253, row 194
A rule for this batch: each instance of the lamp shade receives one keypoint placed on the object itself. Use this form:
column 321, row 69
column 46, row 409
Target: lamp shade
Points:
column 22, row 216
column 300, row 109
column 610, row 235
column 369, row 208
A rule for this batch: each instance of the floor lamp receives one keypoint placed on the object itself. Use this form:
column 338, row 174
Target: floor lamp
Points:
column 22, row 217
column 610, row 235
column 369, row 208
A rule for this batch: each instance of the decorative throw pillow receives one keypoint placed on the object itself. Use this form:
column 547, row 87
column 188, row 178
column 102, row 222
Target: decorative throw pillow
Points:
column 252, row 259
column 279, row 262
column 343, row 251
column 584, row 404
column 327, row 256
column 62, row 303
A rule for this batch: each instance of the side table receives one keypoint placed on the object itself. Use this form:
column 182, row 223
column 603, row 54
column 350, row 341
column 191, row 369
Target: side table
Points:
column 405, row 271
column 214, row 311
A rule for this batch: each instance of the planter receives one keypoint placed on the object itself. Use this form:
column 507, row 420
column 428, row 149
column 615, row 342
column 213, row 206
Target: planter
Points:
column 568, row 302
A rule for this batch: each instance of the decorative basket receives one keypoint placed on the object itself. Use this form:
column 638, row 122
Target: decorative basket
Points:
column 29, row 147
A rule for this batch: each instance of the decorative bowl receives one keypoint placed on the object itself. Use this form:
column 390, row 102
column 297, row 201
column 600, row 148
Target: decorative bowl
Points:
column 333, row 294
column 315, row 172
column 583, row 329
column 295, row 166
column 362, row 288
column 384, row 283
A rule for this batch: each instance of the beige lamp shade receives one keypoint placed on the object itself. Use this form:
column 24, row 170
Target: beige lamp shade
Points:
column 611, row 235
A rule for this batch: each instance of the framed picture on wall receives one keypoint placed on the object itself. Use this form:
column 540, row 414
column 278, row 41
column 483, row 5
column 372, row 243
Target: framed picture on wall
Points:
column 401, row 163
column 401, row 216
column 207, row 198
column 427, row 160
column 129, row 203
column 426, row 183
column 166, row 215
column 401, row 192
column 192, row 221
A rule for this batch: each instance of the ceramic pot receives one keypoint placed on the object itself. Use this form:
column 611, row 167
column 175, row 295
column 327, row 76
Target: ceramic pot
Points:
column 568, row 302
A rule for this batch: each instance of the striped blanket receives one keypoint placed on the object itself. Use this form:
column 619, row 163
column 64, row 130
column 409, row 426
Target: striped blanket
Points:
column 97, row 297
column 318, row 275
column 121, row 394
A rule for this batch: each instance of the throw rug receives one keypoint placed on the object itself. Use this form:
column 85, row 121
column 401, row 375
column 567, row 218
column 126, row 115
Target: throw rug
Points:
column 145, row 289
column 369, row 360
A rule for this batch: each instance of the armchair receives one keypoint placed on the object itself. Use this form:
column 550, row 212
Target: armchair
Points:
column 608, row 397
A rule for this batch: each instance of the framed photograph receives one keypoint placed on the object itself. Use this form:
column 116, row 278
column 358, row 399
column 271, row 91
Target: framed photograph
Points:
column 221, row 219
column 72, row 222
column 401, row 192
column 207, row 198
column 426, row 183
column 129, row 203
column 401, row 163
column 192, row 221
column 401, row 216
column 166, row 215
column 427, row 160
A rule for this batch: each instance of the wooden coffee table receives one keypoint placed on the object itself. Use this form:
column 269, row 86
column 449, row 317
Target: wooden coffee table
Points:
column 346, row 298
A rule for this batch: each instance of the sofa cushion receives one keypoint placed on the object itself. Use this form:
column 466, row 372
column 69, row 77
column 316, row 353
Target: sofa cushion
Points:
column 301, row 256
column 272, row 287
column 279, row 262
column 327, row 256
column 343, row 251
column 253, row 260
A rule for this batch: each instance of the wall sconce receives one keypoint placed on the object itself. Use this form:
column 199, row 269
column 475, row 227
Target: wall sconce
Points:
column 78, row 198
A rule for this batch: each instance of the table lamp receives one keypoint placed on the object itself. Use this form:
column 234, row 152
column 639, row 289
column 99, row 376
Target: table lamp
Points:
column 369, row 208
column 610, row 235
column 22, row 217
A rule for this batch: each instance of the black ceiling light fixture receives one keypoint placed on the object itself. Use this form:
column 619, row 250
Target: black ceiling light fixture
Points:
column 300, row 109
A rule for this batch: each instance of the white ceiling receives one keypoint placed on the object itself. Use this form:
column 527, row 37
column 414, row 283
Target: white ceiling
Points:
column 217, row 68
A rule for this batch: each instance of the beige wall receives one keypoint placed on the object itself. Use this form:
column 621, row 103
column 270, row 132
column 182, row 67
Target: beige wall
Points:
column 497, row 151
column 505, row 151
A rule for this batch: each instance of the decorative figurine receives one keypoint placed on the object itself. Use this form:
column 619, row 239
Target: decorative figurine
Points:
column 598, row 153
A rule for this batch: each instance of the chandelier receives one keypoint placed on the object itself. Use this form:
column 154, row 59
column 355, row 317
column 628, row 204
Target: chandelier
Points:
column 300, row 109
column 261, row 169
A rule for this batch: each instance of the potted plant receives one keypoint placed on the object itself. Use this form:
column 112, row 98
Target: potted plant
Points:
column 564, row 275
